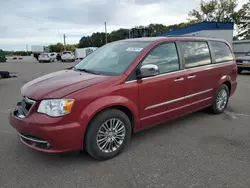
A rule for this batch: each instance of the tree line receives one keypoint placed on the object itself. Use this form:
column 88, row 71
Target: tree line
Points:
column 213, row 10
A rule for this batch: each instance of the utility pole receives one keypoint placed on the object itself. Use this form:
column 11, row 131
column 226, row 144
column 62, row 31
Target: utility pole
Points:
column 106, row 36
column 64, row 41
column 27, row 49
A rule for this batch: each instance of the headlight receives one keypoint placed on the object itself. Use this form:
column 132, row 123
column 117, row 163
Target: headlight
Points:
column 56, row 107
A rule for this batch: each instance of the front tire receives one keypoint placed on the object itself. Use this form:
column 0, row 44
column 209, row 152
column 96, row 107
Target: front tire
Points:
column 239, row 70
column 220, row 100
column 108, row 133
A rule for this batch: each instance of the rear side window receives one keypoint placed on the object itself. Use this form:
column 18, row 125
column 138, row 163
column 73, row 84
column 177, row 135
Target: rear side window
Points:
column 165, row 57
column 196, row 54
column 222, row 52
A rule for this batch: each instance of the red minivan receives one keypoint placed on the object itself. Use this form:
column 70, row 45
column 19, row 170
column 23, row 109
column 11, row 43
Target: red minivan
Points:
column 122, row 88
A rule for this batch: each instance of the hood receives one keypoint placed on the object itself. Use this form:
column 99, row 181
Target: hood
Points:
column 60, row 84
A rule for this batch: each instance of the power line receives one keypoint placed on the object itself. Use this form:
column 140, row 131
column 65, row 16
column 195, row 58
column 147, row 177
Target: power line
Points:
column 92, row 30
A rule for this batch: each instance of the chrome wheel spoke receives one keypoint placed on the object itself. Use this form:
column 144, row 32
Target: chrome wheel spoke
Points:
column 120, row 131
column 116, row 143
column 120, row 136
column 111, row 135
column 221, row 100
column 105, row 127
column 104, row 147
column 118, row 123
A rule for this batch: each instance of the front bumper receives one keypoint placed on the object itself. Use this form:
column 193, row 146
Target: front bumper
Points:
column 47, row 59
column 47, row 134
column 68, row 59
column 244, row 66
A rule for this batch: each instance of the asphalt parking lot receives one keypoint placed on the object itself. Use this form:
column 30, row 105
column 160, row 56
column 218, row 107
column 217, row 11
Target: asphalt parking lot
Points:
column 198, row 150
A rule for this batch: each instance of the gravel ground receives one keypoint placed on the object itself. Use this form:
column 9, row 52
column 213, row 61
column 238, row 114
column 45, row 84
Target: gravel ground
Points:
column 198, row 150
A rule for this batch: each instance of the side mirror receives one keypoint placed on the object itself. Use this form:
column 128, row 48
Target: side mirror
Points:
column 148, row 70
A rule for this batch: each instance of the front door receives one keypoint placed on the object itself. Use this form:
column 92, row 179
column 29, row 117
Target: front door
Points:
column 161, row 97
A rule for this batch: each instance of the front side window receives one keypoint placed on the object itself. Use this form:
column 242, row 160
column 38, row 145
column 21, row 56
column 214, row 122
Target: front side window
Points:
column 165, row 57
column 196, row 54
column 113, row 58
column 222, row 52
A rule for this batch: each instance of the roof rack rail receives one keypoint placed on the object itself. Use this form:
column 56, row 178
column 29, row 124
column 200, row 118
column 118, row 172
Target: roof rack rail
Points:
column 187, row 36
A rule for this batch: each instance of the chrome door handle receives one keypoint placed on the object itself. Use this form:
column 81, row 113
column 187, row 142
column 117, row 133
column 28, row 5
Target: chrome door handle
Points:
column 179, row 79
column 191, row 77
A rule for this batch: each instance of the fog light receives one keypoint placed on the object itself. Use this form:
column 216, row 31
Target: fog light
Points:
column 48, row 145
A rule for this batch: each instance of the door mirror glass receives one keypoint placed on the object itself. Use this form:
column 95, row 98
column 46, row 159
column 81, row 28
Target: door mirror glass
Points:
column 148, row 70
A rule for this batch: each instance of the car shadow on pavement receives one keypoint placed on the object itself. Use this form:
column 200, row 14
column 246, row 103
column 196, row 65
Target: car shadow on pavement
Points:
column 170, row 126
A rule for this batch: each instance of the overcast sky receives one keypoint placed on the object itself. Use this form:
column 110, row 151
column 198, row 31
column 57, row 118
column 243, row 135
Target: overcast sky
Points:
column 43, row 22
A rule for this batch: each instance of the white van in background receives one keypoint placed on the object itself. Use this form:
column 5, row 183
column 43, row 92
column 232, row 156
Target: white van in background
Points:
column 81, row 53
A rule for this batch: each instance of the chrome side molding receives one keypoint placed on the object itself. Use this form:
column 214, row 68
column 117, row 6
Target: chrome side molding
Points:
column 178, row 99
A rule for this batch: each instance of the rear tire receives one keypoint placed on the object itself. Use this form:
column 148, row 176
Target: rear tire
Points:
column 239, row 70
column 111, row 128
column 221, row 100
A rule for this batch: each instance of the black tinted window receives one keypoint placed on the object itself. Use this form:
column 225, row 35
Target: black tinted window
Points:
column 222, row 52
column 165, row 57
column 196, row 54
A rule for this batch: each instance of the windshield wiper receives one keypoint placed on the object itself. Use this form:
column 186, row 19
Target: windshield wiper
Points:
column 88, row 71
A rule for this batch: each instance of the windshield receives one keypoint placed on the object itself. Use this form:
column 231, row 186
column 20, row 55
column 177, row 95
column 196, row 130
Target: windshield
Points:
column 113, row 58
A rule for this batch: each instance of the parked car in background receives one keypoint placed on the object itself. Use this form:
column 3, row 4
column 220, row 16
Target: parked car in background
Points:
column 81, row 53
column 46, row 57
column 53, row 55
column 67, row 56
column 122, row 88
column 243, row 63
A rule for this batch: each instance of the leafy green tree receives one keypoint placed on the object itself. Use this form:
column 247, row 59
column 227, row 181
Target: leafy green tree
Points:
column 56, row 47
column 98, row 39
column 118, row 35
column 215, row 10
column 243, row 21
column 85, row 42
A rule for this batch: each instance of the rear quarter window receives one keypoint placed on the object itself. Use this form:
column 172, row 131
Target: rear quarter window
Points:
column 196, row 53
column 222, row 52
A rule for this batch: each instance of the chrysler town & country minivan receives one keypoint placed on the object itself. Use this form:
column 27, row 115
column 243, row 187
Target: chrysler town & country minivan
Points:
column 122, row 88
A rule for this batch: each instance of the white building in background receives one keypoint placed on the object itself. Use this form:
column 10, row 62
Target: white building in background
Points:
column 222, row 30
